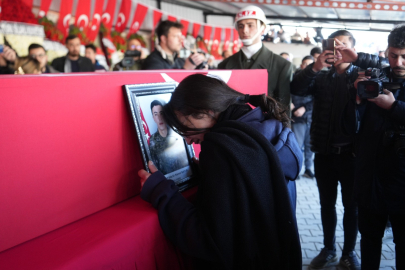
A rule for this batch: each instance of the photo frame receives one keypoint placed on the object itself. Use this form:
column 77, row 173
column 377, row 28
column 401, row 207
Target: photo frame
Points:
column 158, row 142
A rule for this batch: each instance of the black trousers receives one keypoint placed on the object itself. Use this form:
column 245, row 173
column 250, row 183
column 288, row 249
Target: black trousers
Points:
column 372, row 226
column 329, row 170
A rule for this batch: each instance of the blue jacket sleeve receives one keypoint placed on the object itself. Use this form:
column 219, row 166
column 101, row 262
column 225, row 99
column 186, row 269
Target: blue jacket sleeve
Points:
column 179, row 219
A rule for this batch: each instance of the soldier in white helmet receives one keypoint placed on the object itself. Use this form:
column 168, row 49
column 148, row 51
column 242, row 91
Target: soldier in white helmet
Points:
column 251, row 24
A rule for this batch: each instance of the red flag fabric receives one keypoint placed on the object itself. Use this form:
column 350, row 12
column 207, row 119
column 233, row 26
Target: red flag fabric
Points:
column 207, row 33
column 64, row 16
column 227, row 39
column 217, row 39
column 196, row 29
column 0, row 9
column 185, row 27
column 145, row 126
column 92, row 31
column 43, row 9
column 235, row 47
column 139, row 16
column 123, row 15
column 171, row 18
column 108, row 15
column 157, row 15
column 83, row 14
column 28, row 3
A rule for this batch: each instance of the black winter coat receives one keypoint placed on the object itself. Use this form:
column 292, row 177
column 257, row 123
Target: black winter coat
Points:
column 85, row 64
column 156, row 61
column 332, row 99
column 380, row 172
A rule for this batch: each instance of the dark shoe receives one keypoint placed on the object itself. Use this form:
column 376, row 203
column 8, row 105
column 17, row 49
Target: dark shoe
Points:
column 324, row 258
column 308, row 174
column 350, row 261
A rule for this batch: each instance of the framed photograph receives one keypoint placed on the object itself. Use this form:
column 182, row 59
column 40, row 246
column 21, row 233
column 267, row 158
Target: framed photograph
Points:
column 158, row 142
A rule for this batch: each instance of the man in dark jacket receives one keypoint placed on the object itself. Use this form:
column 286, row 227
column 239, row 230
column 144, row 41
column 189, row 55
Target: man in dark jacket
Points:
column 301, row 109
column 333, row 147
column 72, row 62
column 165, row 55
column 380, row 166
column 251, row 25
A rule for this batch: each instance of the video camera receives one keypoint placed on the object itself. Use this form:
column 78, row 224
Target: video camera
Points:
column 200, row 66
column 375, row 85
column 128, row 60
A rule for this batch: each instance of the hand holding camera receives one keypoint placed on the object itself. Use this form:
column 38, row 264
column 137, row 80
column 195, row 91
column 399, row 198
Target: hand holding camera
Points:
column 323, row 60
column 196, row 61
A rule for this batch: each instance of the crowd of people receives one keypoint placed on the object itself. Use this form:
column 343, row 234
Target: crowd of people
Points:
column 250, row 158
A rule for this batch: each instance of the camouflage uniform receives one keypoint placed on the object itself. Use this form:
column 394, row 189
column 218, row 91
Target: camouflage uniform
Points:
column 168, row 153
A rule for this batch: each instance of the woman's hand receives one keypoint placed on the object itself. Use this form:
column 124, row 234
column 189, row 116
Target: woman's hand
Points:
column 144, row 175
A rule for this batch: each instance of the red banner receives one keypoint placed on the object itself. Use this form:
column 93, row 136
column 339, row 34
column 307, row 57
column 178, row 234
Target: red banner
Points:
column 139, row 16
column 227, row 39
column 0, row 9
column 157, row 15
column 108, row 15
column 235, row 47
column 28, row 3
column 43, row 9
column 207, row 34
column 83, row 14
column 92, row 31
column 185, row 27
column 64, row 16
column 123, row 16
column 171, row 18
column 196, row 29
column 217, row 39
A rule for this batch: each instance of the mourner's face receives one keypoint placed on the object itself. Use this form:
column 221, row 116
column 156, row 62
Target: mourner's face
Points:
column 205, row 121
column 91, row 55
column 73, row 47
column 305, row 63
column 157, row 112
column 174, row 40
column 40, row 55
column 396, row 57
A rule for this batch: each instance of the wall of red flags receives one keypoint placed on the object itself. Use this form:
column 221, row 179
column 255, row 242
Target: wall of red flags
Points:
column 212, row 35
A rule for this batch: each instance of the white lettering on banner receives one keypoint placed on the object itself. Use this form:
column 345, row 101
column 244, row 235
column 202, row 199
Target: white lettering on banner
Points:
column 25, row 29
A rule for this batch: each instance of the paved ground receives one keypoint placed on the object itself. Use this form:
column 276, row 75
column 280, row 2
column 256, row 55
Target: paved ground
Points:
column 310, row 227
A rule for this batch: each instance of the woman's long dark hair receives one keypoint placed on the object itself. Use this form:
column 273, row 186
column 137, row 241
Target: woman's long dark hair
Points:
column 198, row 94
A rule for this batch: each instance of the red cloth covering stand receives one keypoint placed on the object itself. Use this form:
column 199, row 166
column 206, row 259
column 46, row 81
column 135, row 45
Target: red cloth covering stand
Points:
column 68, row 167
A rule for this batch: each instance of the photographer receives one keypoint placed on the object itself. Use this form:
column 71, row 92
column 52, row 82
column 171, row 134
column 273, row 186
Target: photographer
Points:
column 333, row 145
column 165, row 55
column 380, row 149
column 132, row 57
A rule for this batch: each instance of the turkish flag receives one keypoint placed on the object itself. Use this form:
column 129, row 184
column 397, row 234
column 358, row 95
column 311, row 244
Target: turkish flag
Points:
column 64, row 16
column 185, row 27
column 217, row 39
column 145, row 126
column 227, row 39
column 139, row 16
column 171, row 18
column 28, row 3
column 43, row 9
column 157, row 15
column 123, row 16
column 196, row 29
column 235, row 47
column 207, row 34
column 93, row 29
column 108, row 15
column 83, row 14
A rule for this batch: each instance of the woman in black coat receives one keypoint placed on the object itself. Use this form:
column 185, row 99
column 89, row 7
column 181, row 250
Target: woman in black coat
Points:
column 245, row 214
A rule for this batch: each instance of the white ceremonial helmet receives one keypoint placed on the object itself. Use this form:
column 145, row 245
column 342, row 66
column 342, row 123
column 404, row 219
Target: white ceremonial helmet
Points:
column 252, row 12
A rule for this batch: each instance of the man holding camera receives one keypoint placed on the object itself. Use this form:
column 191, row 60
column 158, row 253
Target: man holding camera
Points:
column 333, row 145
column 165, row 55
column 380, row 149
column 132, row 57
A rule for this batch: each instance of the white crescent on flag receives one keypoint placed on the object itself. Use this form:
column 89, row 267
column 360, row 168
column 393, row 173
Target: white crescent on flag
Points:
column 135, row 26
column 66, row 20
column 121, row 19
column 98, row 18
column 84, row 18
column 107, row 17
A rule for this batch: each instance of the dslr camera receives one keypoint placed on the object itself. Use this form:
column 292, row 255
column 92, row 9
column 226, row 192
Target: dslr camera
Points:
column 375, row 85
column 128, row 60
column 200, row 66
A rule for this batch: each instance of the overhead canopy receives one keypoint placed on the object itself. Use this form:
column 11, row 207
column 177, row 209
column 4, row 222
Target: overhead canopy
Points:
column 355, row 14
